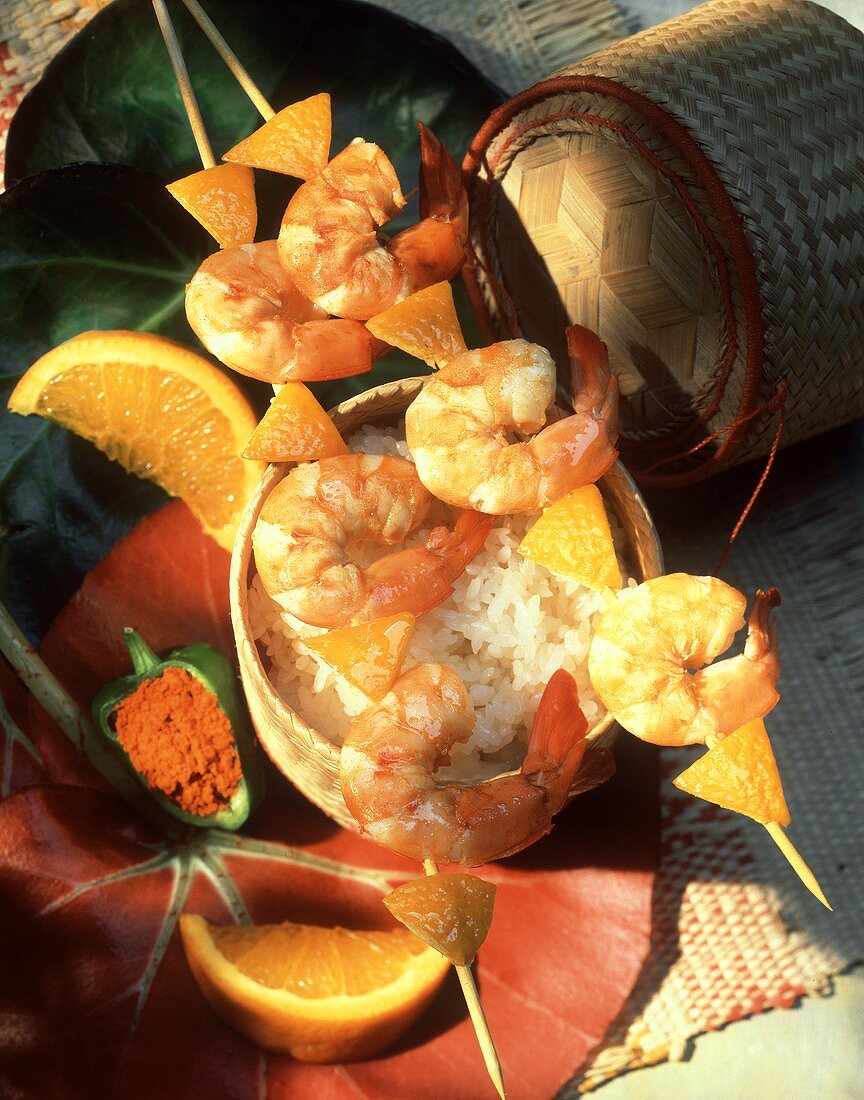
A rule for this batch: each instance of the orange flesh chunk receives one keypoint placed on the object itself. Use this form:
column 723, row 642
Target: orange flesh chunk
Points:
column 740, row 773
column 322, row 994
column 368, row 655
column 161, row 411
column 424, row 324
column 450, row 912
column 222, row 199
column 296, row 141
column 573, row 538
column 295, row 429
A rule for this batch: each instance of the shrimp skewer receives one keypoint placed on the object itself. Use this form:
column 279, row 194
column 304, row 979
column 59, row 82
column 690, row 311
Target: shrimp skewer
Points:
column 457, row 427
column 312, row 515
column 244, row 308
column 389, row 757
column 648, row 652
column 330, row 239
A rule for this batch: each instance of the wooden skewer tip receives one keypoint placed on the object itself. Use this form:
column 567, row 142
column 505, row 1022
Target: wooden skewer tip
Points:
column 796, row 861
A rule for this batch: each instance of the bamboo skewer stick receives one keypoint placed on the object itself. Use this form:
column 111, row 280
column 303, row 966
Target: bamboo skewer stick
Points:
column 475, row 1010
column 230, row 58
column 193, row 112
column 796, row 861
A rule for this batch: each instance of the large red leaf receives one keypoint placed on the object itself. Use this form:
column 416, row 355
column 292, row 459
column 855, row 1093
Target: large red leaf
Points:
column 97, row 993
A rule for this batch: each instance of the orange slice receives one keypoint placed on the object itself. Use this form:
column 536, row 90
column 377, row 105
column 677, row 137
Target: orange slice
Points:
column 161, row 411
column 321, row 994
column 573, row 538
column 424, row 324
column 295, row 429
column 222, row 199
column 368, row 655
column 740, row 773
column 296, row 141
column 450, row 912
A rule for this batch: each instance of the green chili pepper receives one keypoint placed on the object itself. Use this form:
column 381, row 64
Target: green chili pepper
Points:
column 211, row 669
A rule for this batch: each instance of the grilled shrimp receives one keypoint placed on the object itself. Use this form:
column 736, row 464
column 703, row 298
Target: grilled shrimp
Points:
column 330, row 240
column 389, row 757
column 457, row 427
column 312, row 515
column 650, row 647
column 245, row 310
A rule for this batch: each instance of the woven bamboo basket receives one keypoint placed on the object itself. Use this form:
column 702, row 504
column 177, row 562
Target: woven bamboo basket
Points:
column 304, row 754
column 694, row 194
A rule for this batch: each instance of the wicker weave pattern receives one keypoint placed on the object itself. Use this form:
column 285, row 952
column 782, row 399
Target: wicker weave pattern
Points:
column 773, row 92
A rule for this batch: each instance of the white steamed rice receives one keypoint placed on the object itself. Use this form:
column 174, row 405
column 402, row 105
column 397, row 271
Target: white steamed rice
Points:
column 507, row 627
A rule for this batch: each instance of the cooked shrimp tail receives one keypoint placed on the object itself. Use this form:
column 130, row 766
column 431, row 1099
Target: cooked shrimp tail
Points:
column 595, row 387
column 388, row 761
column 434, row 249
column 557, row 743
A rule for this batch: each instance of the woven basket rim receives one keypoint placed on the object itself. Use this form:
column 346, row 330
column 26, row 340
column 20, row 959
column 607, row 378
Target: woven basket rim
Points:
column 739, row 253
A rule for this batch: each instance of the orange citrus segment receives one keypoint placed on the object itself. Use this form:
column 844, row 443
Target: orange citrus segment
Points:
column 368, row 655
column 450, row 912
column 573, row 538
column 321, row 994
column 740, row 773
column 295, row 429
column 296, row 141
column 160, row 410
column 222, row 199
column 424, row 324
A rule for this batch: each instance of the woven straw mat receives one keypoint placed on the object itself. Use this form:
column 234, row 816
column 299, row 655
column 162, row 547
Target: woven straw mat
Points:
column 733, row 931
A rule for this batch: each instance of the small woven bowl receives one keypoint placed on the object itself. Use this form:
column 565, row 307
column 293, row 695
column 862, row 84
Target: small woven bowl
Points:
column 301, row 753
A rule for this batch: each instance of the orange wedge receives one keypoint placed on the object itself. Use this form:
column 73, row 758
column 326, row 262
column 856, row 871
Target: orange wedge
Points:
column 321, row 994
column 296, row 141
column 160, row 410
column 740, row 773
column 368, row 655
column 222, row 199
column 573, row 538
column 295, row 429
column 424, row 324
column 450, row 912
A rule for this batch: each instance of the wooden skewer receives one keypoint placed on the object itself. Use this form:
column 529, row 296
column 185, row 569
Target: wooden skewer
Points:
column 475, row 1010
column 193, row 112
column 230, row 58
column 796, row 861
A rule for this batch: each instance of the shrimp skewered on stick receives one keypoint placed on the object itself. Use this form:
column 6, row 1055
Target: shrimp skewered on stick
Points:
column 457, row 427
column 244, row 308
column 330, row 238
column 648, row 652
column 466, row 979
column 389, row 757
column 312, row 515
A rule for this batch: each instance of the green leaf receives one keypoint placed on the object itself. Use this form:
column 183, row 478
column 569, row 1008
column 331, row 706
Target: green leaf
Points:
column 99, row 246
column 110, row 95
column 80, row 248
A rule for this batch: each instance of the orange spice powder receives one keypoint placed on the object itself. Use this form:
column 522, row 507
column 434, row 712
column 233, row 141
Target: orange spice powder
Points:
column 180, row 740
